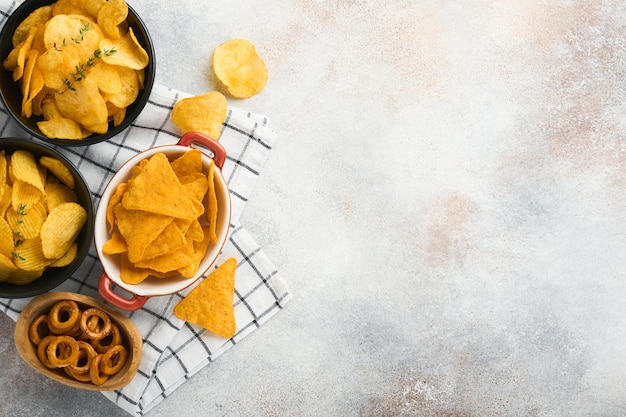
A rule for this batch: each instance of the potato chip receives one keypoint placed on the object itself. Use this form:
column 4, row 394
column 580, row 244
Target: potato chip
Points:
column 27, row 226
column 57, row 194
column 29, row 255
column 210, row 303
column 204, row 113
column 157, row 189
column 67, row 258
column 23, row 277
column 5, row 201
column 57, row 168
column 129, row 53
column 7, row 267
column 110, row 16
column 72, row 31
column 61, row 228
column 56, row 68
column 6, row 238
column 211, row 203
column 84, row 104
column 62, row 128
column 24, row 196
column 239, row 68
column 107, row 78
column 129, row 88
column 92, row 7
column 37, row 17
column 17, row 57
column 23, row 167
column 119, row 116
column 31, row 60
column 35, row 89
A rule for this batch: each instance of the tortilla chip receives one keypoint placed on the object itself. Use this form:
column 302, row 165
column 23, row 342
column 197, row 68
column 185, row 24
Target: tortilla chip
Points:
column 210, row 303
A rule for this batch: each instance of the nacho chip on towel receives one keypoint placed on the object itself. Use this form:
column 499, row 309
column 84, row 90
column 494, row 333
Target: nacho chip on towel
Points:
column 210, row 304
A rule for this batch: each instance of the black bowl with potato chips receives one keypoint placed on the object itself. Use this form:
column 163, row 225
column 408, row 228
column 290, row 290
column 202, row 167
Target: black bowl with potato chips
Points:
column 75, row 73
column 58, row 218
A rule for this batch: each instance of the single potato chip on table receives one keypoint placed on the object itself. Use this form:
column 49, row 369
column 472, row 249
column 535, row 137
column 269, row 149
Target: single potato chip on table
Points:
column 238, row 66
column 203, row 113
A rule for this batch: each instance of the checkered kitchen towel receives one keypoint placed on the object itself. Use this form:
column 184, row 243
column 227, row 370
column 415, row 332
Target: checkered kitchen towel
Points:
column 174, row 350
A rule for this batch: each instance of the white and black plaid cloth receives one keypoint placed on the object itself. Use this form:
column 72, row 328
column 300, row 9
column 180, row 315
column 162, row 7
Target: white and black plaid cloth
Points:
column 174, row 350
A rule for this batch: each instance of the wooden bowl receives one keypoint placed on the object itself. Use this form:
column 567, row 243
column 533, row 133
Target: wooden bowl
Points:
column 131, row 338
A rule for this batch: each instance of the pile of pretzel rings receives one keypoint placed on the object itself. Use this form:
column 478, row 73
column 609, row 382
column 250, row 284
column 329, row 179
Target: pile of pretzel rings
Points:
column 86, row 344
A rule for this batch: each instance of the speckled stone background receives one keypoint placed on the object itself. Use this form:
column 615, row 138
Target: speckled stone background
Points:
column 446, row 201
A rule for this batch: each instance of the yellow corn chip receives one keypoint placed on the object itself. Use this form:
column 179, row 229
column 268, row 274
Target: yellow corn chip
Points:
column 115, row 245
column 157, row 189
column 139, row 228
column 210, row 303
column 211, row 212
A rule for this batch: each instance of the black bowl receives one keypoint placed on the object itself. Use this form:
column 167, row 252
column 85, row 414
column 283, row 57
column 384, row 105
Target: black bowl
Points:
column 52, row 277
column 12, row 96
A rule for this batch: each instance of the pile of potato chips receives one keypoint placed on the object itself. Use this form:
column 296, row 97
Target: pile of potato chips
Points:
column 79, row 66
column 40, row 216
column 163, row 219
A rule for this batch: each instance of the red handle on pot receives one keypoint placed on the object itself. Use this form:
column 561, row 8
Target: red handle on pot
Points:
column 219, row 153
column 105, row 288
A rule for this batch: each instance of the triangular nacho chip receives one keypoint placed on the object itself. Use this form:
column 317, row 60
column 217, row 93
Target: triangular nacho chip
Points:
column 210, row 304
column 157, row 189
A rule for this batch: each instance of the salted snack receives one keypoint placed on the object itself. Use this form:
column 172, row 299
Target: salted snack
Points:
column 203, row 113
column 84, row 342
column 40, row 217
column 158, row 222
column 210, row 303
column 239, row 68
column 79, row 66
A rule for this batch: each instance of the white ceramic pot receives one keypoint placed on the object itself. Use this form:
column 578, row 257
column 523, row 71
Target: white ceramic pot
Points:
column 150, row 287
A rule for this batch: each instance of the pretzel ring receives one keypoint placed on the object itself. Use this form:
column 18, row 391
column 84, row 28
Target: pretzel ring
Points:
column 97, row 377
column 86, row 353
column 63, row 317
column 38, row 329
column 112, row 339
column 59, row 354
column 79, row 377
column 42, row 351
column 101, row 328
column 113, row 360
